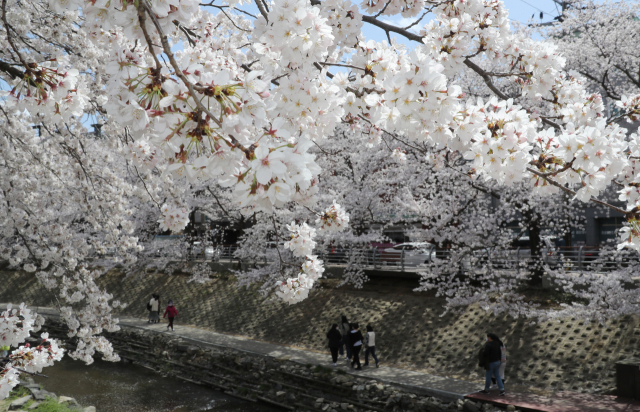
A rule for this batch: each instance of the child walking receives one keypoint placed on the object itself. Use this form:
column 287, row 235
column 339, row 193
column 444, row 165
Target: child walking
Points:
column 172, row 312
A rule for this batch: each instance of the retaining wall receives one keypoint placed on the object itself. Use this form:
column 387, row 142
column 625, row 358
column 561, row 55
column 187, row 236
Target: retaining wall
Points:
column 410, row 333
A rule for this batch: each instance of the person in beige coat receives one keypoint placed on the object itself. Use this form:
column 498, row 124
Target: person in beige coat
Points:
column 370, row 346
column 154, row 303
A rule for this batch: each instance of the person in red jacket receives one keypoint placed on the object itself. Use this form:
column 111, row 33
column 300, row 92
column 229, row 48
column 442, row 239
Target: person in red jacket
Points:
column 172, row 312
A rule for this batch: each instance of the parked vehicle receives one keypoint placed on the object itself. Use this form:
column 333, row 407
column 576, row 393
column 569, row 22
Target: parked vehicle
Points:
column 198, row 250
column 415, row 254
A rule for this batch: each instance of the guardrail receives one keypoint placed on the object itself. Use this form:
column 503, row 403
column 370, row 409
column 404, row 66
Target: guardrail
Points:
column 580, row 258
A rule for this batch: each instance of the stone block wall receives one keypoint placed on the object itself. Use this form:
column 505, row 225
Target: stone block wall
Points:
column 410, row 333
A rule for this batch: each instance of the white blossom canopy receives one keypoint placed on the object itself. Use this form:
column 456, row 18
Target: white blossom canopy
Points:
column 211, row 98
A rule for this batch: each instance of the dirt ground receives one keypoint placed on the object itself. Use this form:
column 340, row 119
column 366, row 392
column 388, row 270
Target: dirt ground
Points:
column 410, row 331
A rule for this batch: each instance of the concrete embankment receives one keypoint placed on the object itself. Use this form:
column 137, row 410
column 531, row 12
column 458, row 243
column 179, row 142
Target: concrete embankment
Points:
column 411, row 334
column 255, row 378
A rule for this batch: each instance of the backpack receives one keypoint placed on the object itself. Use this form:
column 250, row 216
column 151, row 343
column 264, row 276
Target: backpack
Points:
column 366, row 340
column 481, row 360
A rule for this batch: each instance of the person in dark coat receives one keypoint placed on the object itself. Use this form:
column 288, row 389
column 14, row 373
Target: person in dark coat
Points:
column 355, row 342
column 335, row 338
column 491, row 356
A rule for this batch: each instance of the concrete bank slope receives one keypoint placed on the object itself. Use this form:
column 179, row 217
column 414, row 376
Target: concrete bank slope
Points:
column 411, row 334
column 446, row 389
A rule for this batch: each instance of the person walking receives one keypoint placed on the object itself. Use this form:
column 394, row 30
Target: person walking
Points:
column 159, row 306
column 335, row 338
column 355, row 341
column 153, row 306
column 370, row 346
column 345, row 328
column 503, row 365
column 491, row 356
column 172, row 312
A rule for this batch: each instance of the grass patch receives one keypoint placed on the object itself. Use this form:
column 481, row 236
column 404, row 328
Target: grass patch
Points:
column 323, row 370
column 52, row 405
column 18, row 393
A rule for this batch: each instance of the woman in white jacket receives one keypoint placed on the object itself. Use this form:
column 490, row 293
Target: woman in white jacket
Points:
column 153, row 309
column 503, row 365
column 370, row 345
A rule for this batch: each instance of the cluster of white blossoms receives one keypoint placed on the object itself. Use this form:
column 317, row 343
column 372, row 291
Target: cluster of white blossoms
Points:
column 334, row 219
column 301, row 243
column 463, row 28
column 501, row 151
column 539, row 65
column 588, row 154
column 51, row 87
column 399, row 156
column 345, row 21
column 405, row 93
column 295, row 36
column 296, row 289
column 143, row 154
column 33, row 358
column 311, row 106
column 630, row 107
column 407, row 8
column 574, row 104
column 278, row 172
column 15, row 326
column 630, row 194
column 174, row 218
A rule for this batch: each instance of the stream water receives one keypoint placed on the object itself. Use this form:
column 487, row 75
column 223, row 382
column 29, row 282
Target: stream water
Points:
column 123, row 387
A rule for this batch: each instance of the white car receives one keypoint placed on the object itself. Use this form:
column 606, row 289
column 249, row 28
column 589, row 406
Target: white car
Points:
column 415, row 254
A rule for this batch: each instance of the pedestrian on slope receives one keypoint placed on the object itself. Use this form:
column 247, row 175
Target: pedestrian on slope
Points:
column 345, row 328
column 335, row 338
column 153, row 305
column 503, row 365
column 159, row 306
column 370, row 346
column 355, row 341
column 491, row 356
column 172, row 312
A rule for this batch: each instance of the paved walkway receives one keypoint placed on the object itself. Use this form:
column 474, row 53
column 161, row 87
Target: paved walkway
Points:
column 437, row 386
column 561, row 402
column 444, row 388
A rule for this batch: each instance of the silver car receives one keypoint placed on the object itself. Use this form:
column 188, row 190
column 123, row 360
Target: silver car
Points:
column 415, row 254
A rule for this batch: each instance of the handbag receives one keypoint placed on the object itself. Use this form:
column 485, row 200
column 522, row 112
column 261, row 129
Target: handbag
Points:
column 148, row 306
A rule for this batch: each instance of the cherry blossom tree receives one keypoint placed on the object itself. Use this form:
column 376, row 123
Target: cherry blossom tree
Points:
column 242, row 102
column 598, row 40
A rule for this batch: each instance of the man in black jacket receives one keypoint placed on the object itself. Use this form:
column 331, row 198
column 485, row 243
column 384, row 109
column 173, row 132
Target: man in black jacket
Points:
column 492, row 355
column 355, row 341
column 335, row 338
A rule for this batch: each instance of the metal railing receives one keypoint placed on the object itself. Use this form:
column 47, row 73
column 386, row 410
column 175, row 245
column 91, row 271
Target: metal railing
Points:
column 581, row 258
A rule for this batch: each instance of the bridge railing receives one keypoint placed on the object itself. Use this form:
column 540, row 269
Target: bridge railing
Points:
column 578, row 259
